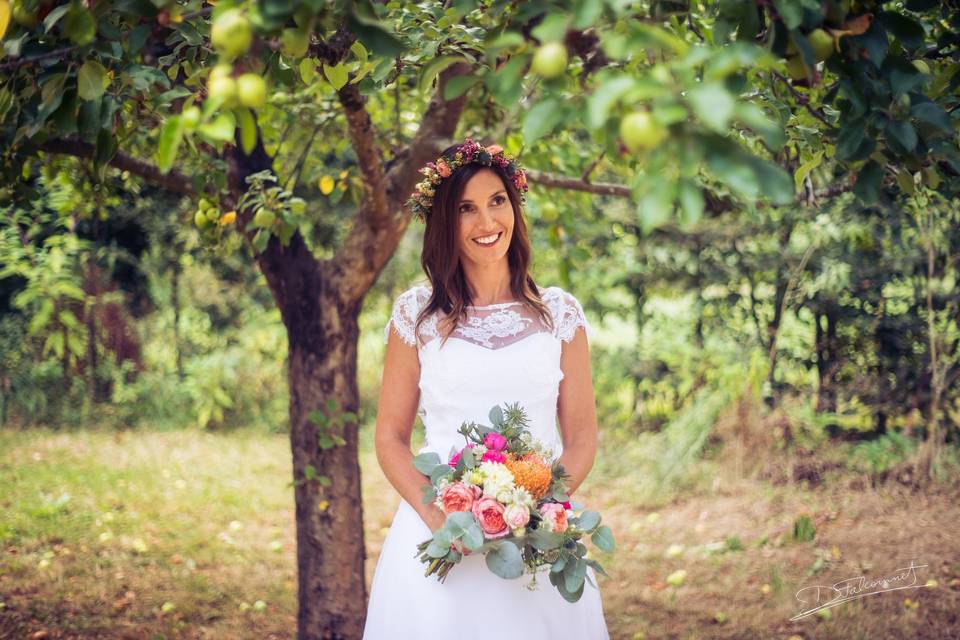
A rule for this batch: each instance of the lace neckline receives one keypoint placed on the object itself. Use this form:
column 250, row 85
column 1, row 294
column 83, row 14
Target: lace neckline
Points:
column 492, row 306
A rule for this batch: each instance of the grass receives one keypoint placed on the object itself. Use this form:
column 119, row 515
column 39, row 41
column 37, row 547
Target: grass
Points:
column 179, row 534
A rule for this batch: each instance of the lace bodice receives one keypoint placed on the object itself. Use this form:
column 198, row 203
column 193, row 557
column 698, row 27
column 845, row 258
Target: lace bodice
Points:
column 491, row 326
column 500, row 353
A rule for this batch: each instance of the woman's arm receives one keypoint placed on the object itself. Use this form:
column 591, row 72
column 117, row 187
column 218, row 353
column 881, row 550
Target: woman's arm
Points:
column 399, row 397
column 576, row 409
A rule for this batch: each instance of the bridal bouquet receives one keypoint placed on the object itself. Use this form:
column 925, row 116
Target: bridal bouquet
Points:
column 503, row 498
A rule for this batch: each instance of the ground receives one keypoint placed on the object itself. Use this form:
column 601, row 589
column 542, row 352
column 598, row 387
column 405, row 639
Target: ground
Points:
column 180, row 534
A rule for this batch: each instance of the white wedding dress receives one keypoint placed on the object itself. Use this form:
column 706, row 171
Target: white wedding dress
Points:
column 503, row 353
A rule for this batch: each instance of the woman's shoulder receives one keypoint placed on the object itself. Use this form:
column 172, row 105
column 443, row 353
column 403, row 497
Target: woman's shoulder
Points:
column 567, row 312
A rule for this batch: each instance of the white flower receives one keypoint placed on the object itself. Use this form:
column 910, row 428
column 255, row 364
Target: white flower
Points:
column 496, row 478
column 520, row 496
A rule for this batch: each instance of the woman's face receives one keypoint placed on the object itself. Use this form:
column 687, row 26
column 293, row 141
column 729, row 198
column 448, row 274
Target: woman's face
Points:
column 485, row 213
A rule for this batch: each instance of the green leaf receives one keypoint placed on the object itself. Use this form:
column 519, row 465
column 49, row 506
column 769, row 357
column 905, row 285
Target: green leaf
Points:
column 573, row 575
column 79, row 25
column 541, row 119
column 440, row 471
column 308, row 70
column 656, row 206
column 790, row 12
column 931, row 113
column 544, row 540
column 336, row 75
column 804, row 170
column 691, row 203
column 604, row 97
column 504, row 559
column 425, row 462
column 105, row 149
column 713, row 105
column 597, row 567
column 170, row 136
column 603, row 538
column 753, row 116
column 220, row 129
column 552, row 28
column 92, row 80
column 433, row 68
column 901, row 136
column 585, row 13
column 506, row 83
column 495, row 415
column 851, row 135
column 54, row 16
column 248, row 129
column 867, row 187
column 377, row 36
column 776, row 183
column 458, row 85
column 588, row 520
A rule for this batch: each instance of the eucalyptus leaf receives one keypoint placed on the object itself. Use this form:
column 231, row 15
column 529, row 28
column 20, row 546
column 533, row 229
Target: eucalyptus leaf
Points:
column 425, row 462
column 588, row 520
column 603, row 538
column 505, row 560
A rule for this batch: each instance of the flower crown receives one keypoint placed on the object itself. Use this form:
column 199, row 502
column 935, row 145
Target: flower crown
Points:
column 421, row 202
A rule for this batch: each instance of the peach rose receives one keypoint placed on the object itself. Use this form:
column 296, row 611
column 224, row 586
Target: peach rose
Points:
column 494, row 149
column 459, row 496
column 555, row 516
column 516, row 516
column 489, row 514
column 443, row 169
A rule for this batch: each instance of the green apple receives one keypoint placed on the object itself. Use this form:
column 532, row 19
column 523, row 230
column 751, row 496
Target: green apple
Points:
column 231, row 34
column 251, row 90
column 294, row 43
column 550, row 60
column 264, row 217
column 921, row 66
column 190, row 117
column 640, row 131
column 796, row 68
column 224, row 88
column 549, row 212
column 200, row 219
column 822, row 44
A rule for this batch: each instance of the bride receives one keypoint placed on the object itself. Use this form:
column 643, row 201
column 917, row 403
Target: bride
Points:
column 478, row 333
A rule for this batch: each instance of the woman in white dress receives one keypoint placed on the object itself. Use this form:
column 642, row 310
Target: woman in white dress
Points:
column 479, row 333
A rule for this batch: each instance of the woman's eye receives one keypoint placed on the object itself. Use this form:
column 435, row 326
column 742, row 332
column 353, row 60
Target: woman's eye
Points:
column 500, row 199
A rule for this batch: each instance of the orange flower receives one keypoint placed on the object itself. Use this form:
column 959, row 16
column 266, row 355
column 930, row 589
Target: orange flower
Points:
column 530, row 472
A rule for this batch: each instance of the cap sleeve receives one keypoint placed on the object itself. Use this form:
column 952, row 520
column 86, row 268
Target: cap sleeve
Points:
column 403, row 317
column 568, row 315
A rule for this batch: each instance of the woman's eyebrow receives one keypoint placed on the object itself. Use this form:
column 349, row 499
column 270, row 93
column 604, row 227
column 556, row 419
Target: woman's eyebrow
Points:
column 495, row 194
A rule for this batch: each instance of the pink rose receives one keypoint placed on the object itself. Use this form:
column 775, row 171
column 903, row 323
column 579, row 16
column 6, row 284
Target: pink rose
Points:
column 489, row 514
column 494, row 456
column 495, row 441
column 459, row 496
column 516, row 516
column 555, row 516
column 456, row 457
column 443, row 169
column 494, row 149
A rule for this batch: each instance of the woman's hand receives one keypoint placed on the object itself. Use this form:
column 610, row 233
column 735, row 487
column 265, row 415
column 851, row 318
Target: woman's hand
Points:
column 434, row 519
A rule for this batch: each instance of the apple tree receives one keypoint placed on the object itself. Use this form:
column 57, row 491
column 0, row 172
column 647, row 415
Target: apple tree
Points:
column 296, row 130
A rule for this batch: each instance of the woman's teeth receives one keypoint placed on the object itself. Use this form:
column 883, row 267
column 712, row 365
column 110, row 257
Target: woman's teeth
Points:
column 489, row 240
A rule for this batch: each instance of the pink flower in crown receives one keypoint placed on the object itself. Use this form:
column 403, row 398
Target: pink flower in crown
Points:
column 456, row 457
column 495, row 442
column 494, row 149
column 443, row 169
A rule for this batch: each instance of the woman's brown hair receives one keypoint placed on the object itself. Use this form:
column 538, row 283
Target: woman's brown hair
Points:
column 440, row 256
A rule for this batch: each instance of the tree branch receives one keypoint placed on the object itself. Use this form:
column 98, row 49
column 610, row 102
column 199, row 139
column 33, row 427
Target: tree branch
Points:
column 382, row 218
column 172, row 181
